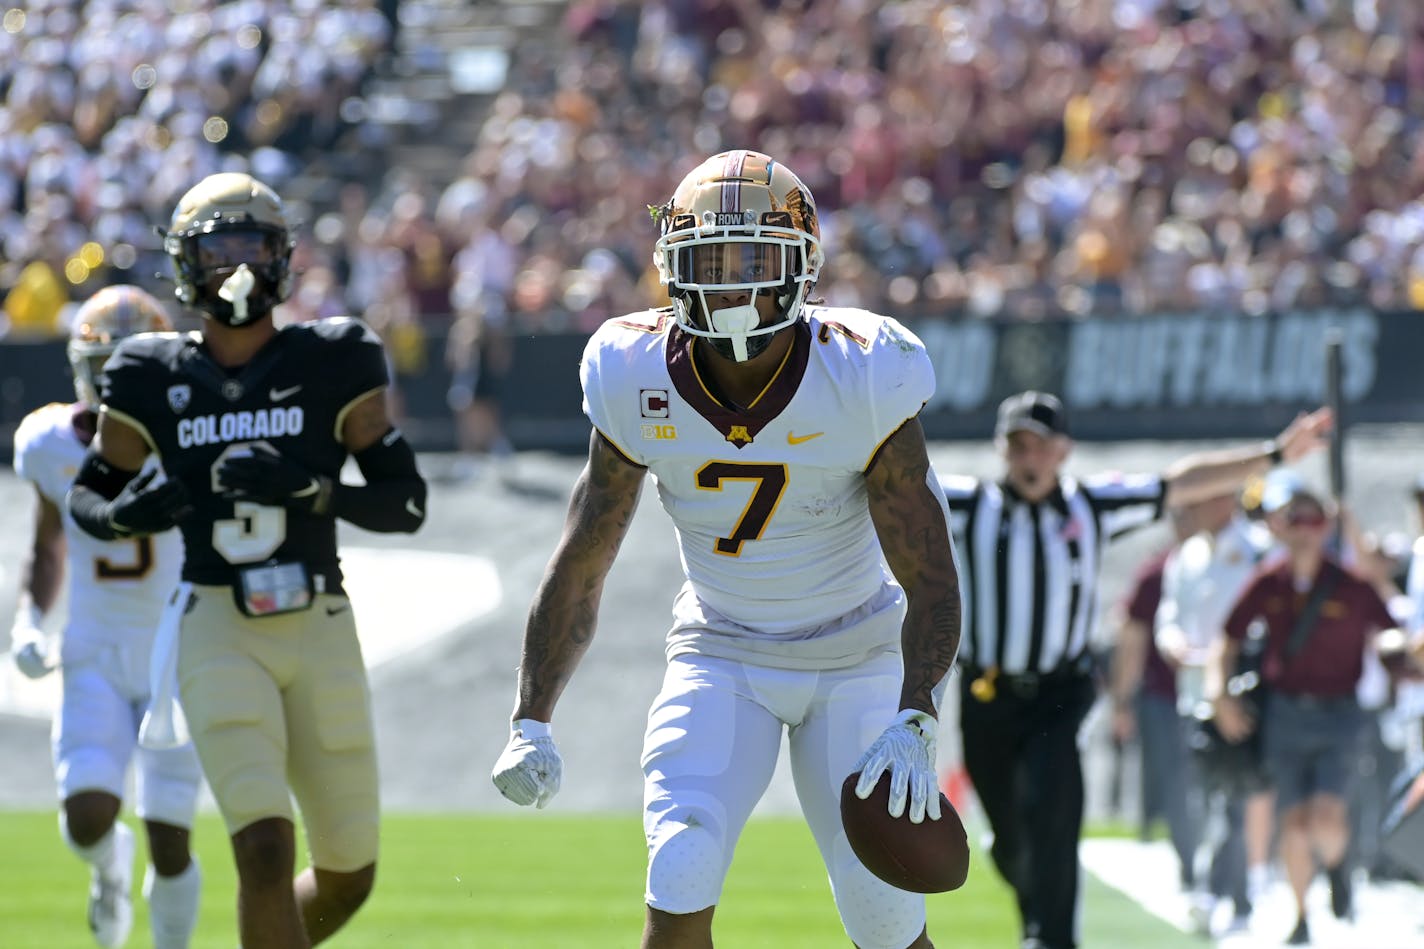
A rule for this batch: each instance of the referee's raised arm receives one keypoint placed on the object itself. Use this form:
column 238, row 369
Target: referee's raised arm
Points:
column 1210, row 474
column 1030, row 545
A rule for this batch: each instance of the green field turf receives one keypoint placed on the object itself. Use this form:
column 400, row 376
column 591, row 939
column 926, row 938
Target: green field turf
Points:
column 536, row 881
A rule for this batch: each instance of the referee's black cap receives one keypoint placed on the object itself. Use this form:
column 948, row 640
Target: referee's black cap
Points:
column 1031, row 411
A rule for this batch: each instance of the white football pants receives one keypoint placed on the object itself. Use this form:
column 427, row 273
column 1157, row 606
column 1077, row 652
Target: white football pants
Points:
column 714, row 733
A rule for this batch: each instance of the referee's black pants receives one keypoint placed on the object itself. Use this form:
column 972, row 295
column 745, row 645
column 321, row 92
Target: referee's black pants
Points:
column 1021, row 752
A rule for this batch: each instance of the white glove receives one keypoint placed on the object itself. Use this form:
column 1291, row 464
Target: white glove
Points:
column 28, row 646
column 530, row 769
column 907, row 750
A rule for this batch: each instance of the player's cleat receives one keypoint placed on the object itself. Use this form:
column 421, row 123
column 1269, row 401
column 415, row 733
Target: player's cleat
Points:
column 1300, row 936
column 1200, row 911
column 110, row 904
column 1342, row 892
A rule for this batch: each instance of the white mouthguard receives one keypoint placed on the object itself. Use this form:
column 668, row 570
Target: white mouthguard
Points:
column 235, row 290
column 737, row 321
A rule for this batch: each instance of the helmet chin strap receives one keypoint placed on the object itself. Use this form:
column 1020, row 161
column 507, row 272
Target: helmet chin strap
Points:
column 736, row 322
column 236, row 289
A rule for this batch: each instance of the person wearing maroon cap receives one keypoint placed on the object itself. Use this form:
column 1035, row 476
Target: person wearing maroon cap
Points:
column 1320, row 619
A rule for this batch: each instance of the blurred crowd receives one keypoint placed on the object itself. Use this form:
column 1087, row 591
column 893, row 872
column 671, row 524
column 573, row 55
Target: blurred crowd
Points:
column 111, row 109
column 1012, row 158
column 987, row 158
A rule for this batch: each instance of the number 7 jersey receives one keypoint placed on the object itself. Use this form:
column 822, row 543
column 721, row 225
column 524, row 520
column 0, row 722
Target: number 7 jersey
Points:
column 769, row 502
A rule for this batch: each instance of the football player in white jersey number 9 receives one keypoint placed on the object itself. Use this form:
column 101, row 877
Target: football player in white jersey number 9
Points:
column 784, row 441
column 118, row 590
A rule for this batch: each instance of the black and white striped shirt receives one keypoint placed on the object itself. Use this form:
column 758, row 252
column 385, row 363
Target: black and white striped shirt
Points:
column 1029, row 571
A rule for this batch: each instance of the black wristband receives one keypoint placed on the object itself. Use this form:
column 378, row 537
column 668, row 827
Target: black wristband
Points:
column 105, row 479
column 91, row 512
column 95, row 485
column 1276, row 455
column 393, row 498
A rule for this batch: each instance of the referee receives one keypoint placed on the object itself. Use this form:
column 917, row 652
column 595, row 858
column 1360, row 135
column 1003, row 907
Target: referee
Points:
column 1029, row 547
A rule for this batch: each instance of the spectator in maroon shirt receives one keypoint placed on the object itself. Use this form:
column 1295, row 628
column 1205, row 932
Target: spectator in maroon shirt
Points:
column 1313, row 718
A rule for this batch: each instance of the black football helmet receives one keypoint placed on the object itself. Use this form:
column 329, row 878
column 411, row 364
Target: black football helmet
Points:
column 231, row 247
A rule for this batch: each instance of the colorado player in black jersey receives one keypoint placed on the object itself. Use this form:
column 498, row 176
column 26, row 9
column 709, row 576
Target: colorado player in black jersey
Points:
column 253, row 424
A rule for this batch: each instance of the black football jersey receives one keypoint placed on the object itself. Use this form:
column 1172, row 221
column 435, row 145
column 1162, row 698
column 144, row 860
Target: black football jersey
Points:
column 193, row 413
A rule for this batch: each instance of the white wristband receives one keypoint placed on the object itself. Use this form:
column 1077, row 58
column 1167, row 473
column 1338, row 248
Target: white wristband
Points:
column 28, row 616
column 531, row 729
column 924, row 722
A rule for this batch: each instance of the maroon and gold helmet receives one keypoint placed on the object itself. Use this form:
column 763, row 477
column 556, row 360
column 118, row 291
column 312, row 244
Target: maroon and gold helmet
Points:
column 738, row 225
column 105, row 318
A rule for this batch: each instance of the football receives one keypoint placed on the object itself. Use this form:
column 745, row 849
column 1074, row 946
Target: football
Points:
column 928, row 857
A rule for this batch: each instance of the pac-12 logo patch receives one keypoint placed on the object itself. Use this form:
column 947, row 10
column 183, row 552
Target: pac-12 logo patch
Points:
column 653, row 403
column 179, row 397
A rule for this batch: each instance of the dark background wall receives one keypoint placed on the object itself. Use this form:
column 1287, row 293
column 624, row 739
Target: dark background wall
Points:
column 1173, row 376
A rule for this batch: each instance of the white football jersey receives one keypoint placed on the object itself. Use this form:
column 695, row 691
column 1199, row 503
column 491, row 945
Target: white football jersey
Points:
column 117, row 588
column 782, row 561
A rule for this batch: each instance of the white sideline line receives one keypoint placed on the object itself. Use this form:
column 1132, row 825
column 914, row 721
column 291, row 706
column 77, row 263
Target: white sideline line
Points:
column 402, row 599
column 1388, row 916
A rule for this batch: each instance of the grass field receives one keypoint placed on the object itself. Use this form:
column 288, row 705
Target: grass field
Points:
column 536, row 881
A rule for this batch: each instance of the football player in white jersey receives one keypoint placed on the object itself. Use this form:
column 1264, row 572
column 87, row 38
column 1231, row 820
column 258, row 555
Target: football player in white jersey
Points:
column 821, row 595
column 117, row 591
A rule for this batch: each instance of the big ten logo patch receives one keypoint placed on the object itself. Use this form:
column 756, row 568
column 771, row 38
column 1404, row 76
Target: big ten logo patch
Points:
column 656, row 433
column 653, row 403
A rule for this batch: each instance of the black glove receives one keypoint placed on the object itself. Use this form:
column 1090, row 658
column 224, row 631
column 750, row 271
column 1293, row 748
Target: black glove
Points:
column 273, row 479
column 141, row 510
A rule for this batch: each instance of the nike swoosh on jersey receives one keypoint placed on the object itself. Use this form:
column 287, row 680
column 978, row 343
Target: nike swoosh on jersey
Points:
column 340, row 608
column 277, row 395
column 793, row 439
column 411, row 506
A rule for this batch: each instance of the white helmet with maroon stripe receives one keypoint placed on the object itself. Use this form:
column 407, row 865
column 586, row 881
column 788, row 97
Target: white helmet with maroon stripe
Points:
column 739, row 225
column 105, row 318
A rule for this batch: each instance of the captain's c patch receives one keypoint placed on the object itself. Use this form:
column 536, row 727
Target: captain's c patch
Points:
column 653, row 402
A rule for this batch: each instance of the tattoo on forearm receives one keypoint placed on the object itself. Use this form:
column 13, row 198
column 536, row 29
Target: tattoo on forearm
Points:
column 935, row 649
column 564, row 614
column 915, row 538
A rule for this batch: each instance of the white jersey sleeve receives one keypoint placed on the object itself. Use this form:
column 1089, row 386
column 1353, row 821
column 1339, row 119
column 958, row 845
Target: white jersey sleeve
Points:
column 769, row 503
column 47, row 452
column 117, row 588
column 603, row 371
column 1414, row 586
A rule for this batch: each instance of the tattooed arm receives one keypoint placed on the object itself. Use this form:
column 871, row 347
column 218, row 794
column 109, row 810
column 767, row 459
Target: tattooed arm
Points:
column 564, row 613
column 913, row 525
